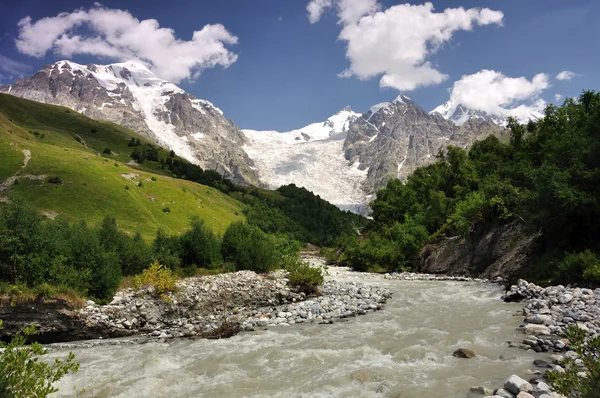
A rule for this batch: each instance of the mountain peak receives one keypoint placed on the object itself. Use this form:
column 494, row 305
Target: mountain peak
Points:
column 403, row 99
column 459, row 114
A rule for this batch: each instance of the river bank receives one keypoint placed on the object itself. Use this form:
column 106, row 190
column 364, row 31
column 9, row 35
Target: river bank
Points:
column 404, row 350
column 212, row 306
column 428, row 318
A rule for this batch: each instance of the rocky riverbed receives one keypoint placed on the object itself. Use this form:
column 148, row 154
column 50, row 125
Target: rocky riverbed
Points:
column 550, row 311
column 221, row 305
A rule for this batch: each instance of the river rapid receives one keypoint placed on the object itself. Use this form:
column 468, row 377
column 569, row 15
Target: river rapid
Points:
column 403, row 351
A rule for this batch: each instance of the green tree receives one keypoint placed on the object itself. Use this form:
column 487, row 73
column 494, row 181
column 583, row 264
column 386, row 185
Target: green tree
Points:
column 23, row 375
column 249, row 248
column 199, row 246
column 19, row 231
column 569, row 383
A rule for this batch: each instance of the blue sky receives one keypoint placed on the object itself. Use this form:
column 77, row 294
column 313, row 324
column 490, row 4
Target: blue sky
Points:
column 282, row 73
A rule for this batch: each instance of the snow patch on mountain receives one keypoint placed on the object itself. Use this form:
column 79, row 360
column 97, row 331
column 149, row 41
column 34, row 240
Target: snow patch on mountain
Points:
column 459, row 114
column 311, row 157
column 150, row 95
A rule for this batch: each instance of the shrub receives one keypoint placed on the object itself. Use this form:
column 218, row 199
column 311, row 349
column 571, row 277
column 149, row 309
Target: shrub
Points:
column 167, row 249
column 140, row 184
column 579, row 267
column 248, row 248
column 54, row 180
column 22, row 374
column 166, row 209
column 305, row 278
column 569, row 383
column 161, row 278
column 106, row 151
column 200, row 247
column 466, row 213
column 153, row 178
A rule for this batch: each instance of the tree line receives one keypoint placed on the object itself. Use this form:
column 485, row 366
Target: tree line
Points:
column 547, row 178
column 93, row 259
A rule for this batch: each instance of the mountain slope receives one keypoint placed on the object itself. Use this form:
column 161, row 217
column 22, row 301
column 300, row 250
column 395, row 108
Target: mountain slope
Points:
column 348, row 157
column 132, row 96
column 64, row 144
column 311, row 157
column 394, row 138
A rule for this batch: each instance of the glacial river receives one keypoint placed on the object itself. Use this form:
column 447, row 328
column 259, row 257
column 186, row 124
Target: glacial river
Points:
column 403, row 351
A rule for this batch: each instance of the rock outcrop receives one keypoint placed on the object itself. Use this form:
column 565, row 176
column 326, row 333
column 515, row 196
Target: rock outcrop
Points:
column 395, row 138
column 500, row 251
column 55, row 319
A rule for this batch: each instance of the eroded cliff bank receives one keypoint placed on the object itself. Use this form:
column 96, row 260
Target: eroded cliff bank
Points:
column 486, row 252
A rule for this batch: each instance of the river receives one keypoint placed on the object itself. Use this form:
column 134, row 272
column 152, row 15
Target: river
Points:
column 402, row 351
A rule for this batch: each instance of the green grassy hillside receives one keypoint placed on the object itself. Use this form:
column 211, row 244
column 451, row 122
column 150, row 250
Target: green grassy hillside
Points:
column 70, row 146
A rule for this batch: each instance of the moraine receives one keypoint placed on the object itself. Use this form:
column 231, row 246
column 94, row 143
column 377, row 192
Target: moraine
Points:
column 404, row 350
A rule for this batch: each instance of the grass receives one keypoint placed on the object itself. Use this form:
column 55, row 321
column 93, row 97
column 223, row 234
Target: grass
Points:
column 21, row 294
column 93, row 185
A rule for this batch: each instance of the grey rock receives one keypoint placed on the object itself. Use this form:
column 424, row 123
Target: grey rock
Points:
column 464, row 353
column 515, row 385
column 481, row 390
column 501, row 392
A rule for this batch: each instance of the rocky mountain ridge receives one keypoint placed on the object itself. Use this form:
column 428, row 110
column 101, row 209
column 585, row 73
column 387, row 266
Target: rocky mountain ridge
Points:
column 344, row 159
column 348, row 163
column 129, row 94
column 459, row 114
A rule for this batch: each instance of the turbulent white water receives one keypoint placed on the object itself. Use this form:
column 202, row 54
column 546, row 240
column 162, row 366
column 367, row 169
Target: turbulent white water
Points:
column 402, row 351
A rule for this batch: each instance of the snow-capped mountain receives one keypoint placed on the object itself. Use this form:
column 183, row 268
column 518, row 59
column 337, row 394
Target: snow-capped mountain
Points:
column 311, row 157
column 348, row 157
column 458, row 114
column 131, row 95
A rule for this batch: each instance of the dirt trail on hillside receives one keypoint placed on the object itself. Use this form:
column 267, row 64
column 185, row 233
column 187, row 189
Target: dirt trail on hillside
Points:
column 6, row 184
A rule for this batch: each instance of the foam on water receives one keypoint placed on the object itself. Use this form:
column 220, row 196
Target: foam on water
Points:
column 404, row 350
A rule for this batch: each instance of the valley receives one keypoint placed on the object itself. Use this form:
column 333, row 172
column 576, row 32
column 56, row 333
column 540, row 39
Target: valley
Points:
column 323, row 198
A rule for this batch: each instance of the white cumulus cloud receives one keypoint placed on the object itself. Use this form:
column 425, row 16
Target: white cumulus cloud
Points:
column 316, row 8
column 557, row 97
column 117, row 34
column 497, row 94
column 565, row 75
column 396, row 43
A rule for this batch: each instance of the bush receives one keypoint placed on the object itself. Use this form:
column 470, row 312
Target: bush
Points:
column 248, row 248
column 305, row 278
column 22, row 374
column 161, row 278
column 569, row 383
column 54, row 180
column 200, row 247
column 167, row 249
column 166, row 209
column 583, row 267
column 466, row 213
column 106, row 151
